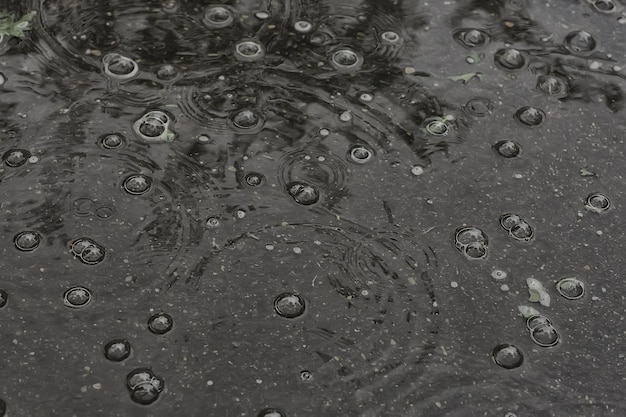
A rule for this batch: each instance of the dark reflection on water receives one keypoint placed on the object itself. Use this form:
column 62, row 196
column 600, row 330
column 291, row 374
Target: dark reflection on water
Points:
column 282, row 180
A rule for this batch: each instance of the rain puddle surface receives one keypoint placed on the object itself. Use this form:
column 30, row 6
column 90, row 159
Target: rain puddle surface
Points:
column 278, row 209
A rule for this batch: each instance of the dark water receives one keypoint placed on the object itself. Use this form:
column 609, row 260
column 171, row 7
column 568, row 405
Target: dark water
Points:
column 312, row 208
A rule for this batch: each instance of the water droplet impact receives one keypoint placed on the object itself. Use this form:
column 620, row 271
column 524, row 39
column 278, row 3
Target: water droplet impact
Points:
column 104, row 212
column 390, row 38
column 471, row 242
column 552, row 85
column 212, row 222
column 254, row 179
column 137, row 184
column 437, row 126
column 530, row 116
column 302, row 26
column 604, row 6
column 306, row 375
column 417, row 170
column 112, row 141
column 478, row 107
column 545, row 335
column 507, row 356
column 522, row 232
column 498, row 274
column 249, row 51
column 167, row 72
column 303, row 193
column 366, row 97
column 580, row 42
column 571, row 288
column 15, row 157
column 471, row 38
column 144, row 386
column 119, row 67
column 271, row 412
column 289, row 305
column 246, row 119
column 597, row 203
column 507, row 148
column 87, row 250
column 27, row 241
column 509, row 59
column 218, row 17
column 160, row 323
column 346, row 61
column 117, row 350
column 77, row 297
column 360, row 154
column 153, row 126
column 4, row 298
column 536, row 320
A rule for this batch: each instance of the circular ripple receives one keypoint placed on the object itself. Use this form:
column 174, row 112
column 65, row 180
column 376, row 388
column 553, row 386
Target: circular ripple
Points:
column 303, row 26
column 160, row 323
column 597, row 203
column 218, row 17
column 77, row 297
column 119, row 67
column 137, row 184
column 580, row 42
column 359, row 154
column 507, row 356
column 112, row 141
column 537, row 320
column 545, row 335
column 571, row 288
column 507, row 148
column 254, row 179
column 117, row 350
column 16, row 157
column 249, row 51
column 509, row 59
column 390, row 38
column 346, row 61
column 605, row 6
column 246, row 121
column 154, row 126
column 87, row 250
column 289, row 305
column 27, row 241
column 471, row 38
column 530, row 116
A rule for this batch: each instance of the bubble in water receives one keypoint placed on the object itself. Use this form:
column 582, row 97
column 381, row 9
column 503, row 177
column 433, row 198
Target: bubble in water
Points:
column 536, row 320
column 580, row 42
column 4, row 298
column 507, row 148
column 346, row 61
column 552, row 85
column 530, row 116
column 212, row 222
column 303, row 193
column 437, row 126
column 417, row 170
column 117, row 350
column 605, row 6
column 137, row 184
column 359, row 154
column 289, row 305
column 545, row 335
column 218, row 17
column 246, row 119
column 571, row 288
column 15, row 157
column 522, row 232
column 302, row 26
column 478, row 107
column 471, row 242
column 597, row 203
column 271, row 412
column 475, row 250
column 112, row 141
column 167, row 72
column 254, row 179
column 507, row 356
column 153, row 126
column 77, row 297
column 249, row 51
column 509, row 59
column 87, row 250
column 27, row 241
column 144, row 385
column 160, row 323
column 119, row 67
column 471, row 38
column 390, row 38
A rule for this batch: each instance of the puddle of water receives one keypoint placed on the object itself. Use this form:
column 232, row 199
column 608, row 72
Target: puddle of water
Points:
column 303, row 208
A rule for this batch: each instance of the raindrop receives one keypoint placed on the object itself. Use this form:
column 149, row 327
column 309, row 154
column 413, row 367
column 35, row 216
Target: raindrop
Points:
column 471, row 242
column 507, row 148
column 580, row 42
column 87, row 250
column 144, row 385
column 552, row 85
column 213, row 222
column 249, row 51
column 476, row 250
column 112, row 141
column 303, row 193
column 271, row 412
column 604, row 6
column 360, row 154
column 571, row 288
column 509, row 59
column 4, row 298
column 478, row 107
column 390, row 38
column 167, row 72
column 302, row 26
column 137, row 184
column 15, row 157
column 160, row 323
column 27, row 241
column 246, row 119
column 545, row 335
column 346, row 60
column 536, row 320
column 289, row 305
column 254, row 179
column 154, row 127
column 117, row 350
column 471, row 38
column 597, row 203
column 77, row 297
column 119, row 67
column 507, row 356
column 530, row 116
column 522, row 232
column 417, row 170
column 437, row 126
column 218, row 17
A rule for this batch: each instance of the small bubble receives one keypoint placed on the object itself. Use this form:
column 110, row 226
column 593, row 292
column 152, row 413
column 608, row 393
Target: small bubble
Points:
column 144, row 386
column 112, row 141
column 289, row 305
column 246, row 119
column 545, row 335
column 119, row 67
column 366, row 97
column 27, row 241
column 167, row 72
column 271, row 412
column 4, row 298
column 390, row 38
column 303, row 193
column 597, row 203
column 509, row 59
column 153, row 126
column 551, row 85
column 77, row 297
column 571, row 288
column 249, row 51
column 254, row 179
column 302, row 26
column 536, row 320
column 137, row 184
column 213, row 222
column 16, row 157
column 580, row 42
column 346, row 60
column 417, row 170
column 360, row 154
column 471, row 38
column 507, row 356
column 117, row 350
column 324, row 132
column 507, row 148
column 218, row 17
column 530, row 116
column 478, row 107
column 160, row 323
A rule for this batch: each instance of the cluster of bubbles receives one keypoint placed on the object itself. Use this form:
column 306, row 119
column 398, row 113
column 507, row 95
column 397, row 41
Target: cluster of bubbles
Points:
column 77, row 297
column 289, row 305
column 597, row 203
column 144, row 385
column 471, row 242
column 517, row 227
column 541, row 331
column 87, row 250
